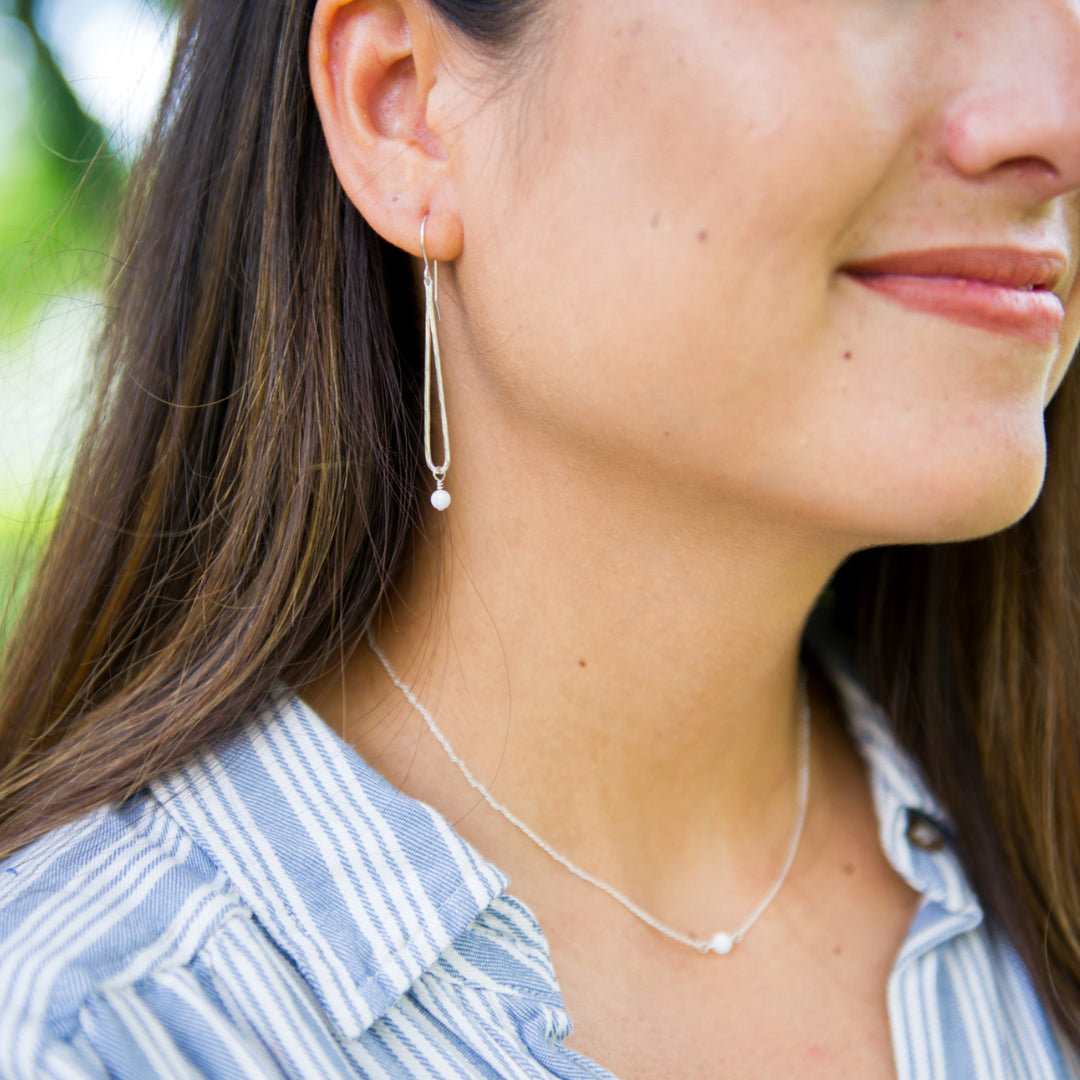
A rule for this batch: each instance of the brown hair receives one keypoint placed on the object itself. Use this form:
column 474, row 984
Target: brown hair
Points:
column 247, row 489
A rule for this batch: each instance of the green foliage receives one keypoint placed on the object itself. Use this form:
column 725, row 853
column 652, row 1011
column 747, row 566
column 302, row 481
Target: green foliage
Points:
column 60, row 187
column 20, row 543
column 58, row 183
column 53, row 240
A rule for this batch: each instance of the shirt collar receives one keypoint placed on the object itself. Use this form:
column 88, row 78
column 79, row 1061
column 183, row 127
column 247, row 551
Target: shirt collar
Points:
column 359, row 885
column 908, row 812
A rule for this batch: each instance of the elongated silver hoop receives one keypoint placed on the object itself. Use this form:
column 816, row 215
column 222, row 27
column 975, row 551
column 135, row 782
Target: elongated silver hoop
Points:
column 440, row 497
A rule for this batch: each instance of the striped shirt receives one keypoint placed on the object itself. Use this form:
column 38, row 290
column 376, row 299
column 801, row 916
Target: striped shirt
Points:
column 277, row 909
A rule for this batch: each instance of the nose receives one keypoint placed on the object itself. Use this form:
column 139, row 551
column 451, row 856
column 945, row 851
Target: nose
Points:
column 1017, row 114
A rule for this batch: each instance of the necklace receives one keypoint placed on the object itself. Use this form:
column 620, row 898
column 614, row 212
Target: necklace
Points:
column 720, row 943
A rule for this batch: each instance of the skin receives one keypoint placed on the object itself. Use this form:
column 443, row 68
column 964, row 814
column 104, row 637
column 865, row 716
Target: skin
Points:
column 672, row 416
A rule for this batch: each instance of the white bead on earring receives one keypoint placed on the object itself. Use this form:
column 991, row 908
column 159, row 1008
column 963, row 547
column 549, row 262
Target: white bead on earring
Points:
column 440, row 497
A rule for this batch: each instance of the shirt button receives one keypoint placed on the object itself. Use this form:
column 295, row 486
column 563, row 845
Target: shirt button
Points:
column 923, row 833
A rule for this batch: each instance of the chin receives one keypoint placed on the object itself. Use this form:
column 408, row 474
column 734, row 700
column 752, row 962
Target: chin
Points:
column 985, row 519
column 979, row 506
column 981, row 477
column 962, row 493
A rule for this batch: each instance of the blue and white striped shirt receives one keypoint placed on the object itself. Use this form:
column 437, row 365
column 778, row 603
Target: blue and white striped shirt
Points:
column 276, row 909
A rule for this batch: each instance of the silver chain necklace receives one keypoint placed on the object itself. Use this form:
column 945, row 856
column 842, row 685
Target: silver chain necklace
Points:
column 720, row 943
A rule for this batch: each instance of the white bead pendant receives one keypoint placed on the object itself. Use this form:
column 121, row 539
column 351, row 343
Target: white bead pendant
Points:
column 721, row 943
column 440, row 498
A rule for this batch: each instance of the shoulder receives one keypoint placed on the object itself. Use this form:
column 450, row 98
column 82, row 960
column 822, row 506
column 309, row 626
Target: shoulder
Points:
column 248, row 916
column 88, row 914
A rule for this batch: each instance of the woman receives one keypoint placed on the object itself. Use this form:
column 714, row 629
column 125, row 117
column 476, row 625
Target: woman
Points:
column 744, row 318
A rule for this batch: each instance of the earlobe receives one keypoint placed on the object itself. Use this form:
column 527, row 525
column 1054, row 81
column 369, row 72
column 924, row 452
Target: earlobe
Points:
column 373, row 64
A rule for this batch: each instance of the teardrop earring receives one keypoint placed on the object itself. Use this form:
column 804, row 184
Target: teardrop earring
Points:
column 440, row 497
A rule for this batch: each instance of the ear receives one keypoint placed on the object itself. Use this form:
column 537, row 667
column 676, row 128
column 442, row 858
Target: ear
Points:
column 373, row 66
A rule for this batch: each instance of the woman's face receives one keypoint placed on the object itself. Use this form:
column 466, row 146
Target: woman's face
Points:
column 660, row 255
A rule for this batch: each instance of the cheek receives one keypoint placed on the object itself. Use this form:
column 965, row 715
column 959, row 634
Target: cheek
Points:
column 658, row 264
column 745, row 128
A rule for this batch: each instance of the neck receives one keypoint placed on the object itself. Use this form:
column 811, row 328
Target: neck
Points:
column 624, row 681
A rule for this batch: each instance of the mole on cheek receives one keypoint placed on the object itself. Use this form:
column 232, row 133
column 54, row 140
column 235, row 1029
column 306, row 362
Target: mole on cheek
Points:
column 703, row 235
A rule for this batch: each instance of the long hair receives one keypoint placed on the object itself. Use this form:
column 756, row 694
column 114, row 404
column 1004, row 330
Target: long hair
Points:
column 246, row 492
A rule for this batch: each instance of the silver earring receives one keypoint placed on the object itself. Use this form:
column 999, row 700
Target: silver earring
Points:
column 440, row 497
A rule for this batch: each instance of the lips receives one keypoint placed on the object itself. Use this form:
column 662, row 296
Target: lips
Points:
column 1003, row 290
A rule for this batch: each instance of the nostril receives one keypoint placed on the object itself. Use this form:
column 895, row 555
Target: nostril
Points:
column 1037, row 167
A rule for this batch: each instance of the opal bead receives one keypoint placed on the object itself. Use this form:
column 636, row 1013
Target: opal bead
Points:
column 440, row 499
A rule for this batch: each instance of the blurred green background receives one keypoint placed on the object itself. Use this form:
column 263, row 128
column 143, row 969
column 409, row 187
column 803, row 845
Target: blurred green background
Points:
column 79, row 84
